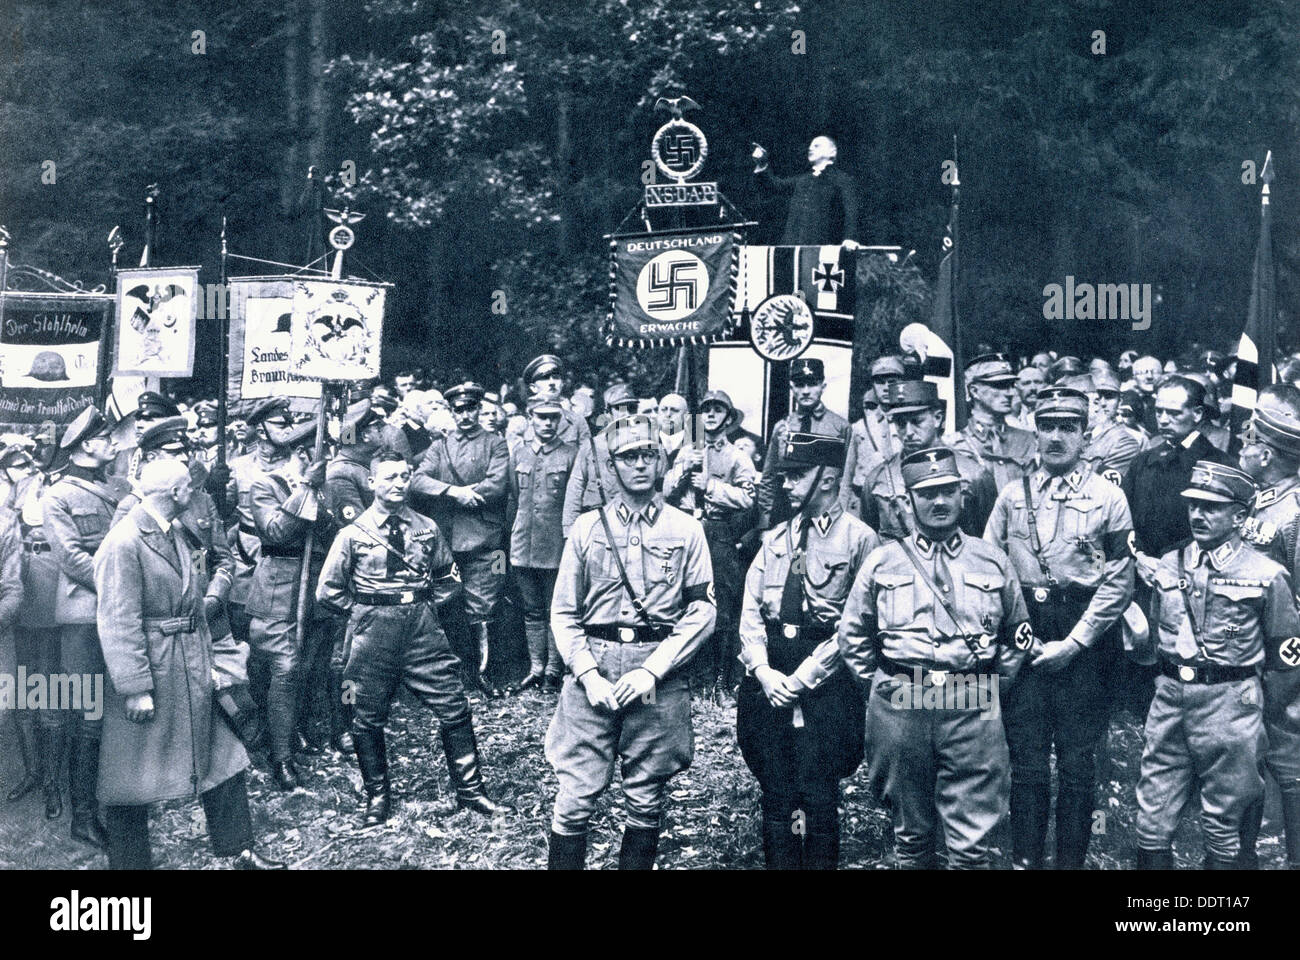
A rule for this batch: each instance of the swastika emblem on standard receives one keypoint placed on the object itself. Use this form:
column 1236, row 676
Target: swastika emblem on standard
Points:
column 672, row 285
column 1288, row 651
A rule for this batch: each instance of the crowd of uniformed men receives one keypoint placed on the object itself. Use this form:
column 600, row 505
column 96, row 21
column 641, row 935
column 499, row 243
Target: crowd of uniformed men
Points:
column 953, row 608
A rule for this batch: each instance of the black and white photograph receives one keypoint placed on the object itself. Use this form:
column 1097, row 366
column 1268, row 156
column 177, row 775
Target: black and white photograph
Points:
column 676, row 435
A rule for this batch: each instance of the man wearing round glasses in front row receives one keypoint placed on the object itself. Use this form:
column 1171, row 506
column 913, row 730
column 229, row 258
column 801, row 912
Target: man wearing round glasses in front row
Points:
column 633, row 603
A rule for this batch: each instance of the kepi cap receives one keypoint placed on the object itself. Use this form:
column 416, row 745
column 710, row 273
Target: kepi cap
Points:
column 154, row 406
column 267, row 409
column 807, row 370
column 630, row 433
column 931, row 467
column 801, row 451
column 1281, row 435
column 908, row 396
column 1061, row 402
column 1219, row 484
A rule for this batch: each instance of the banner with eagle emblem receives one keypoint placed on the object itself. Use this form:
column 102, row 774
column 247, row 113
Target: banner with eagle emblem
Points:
column 156, row 311
column 672, row 288
column 337, row 329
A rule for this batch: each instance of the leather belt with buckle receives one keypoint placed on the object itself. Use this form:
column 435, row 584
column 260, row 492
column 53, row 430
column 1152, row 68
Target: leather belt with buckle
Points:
column 36, row 546
column 931, row 674
column 170, row 626
column 396, row 599
column 617, row 634
column 1204, row 672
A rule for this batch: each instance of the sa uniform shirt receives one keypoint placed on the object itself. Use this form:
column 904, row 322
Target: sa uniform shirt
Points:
column 667, row 562
column 731, row 486
column 361, row 560
column 1241, row 604
column 887, row 508
column 1007, row 451
column 1083, row 526
column 1274, row 522
column 837, row 544
column 892, row 613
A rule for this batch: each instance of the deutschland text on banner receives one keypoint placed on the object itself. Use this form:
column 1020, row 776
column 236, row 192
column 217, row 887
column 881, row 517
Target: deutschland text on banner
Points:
column 49, row 356
column 671, row 289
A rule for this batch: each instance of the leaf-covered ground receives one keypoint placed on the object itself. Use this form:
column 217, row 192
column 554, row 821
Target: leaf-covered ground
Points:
column 712, row 821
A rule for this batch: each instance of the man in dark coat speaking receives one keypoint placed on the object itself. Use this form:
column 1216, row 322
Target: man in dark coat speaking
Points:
column 163, row 737
column 824, row 202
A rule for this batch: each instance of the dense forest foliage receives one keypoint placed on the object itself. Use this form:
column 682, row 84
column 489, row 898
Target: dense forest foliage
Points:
column 491, row 144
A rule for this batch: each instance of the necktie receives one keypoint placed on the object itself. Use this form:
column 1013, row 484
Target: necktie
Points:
column 183, row 556
column 792, row 593
column 397, row 542
column 805, row 423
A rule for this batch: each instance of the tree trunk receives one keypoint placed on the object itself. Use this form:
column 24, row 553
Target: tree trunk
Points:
column 318, row 101
column 563, row 168
column 291, row 180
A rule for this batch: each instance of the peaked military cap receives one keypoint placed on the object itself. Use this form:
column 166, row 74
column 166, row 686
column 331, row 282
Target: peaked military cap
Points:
column 267, row 409
column 908, row 396
column 617, row 395
column 803, row 450
column 887, row 364
column 468, row 390
column 545, row 405
column 154, row 406
column 807, row 370
column 1282, row 435
column 547, row 365
column 1219, row 484
column 89, row 423
column 165, row 434
column 931, row 467
column 629, row 433
column 1057, row 402
column 205, row 413
column 990, row 368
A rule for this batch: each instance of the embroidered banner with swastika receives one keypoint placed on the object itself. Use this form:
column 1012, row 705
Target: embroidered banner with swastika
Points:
column 669, row 289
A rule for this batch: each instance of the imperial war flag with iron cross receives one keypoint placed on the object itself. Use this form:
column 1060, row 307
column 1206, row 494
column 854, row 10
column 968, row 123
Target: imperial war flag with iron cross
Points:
column 670, row 289
column 822, row 276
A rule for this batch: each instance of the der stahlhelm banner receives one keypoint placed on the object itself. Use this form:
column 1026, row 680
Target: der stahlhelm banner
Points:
column 50, row 347
column 670, row 289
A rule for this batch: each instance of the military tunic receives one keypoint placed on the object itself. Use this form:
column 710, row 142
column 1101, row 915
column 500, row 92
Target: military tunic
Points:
column 1077, row 575
column 597, row 628
column 727, row 498
column 1007, row 451
column 933, row 750
column 481, row 461
column 1273, row 528
column 872, row 440
column 1111, row 449
column 772, row 503
column 887, row 508
column 591, row 483
column 394, row 632
column 77, row 513
column 1206, row 726
column 824, row 744
column 347, row 482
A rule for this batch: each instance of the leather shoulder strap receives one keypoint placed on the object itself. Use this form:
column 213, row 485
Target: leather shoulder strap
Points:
column 637, row 603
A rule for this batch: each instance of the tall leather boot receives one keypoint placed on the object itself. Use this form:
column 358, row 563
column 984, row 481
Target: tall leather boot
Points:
column 280, row 704
column 54, row 749
column 821, row 844
column 640, row 844
column 537, row 640
column 340, row 714
column 83, row 777
column 483, row 638
column 1030, row 805
column 1073, row 828
column 372, row 758
column 28, row 746
column 1291, row 820
column 1155, row 859
column 566, row 852
column 782, row 847
column 1252, row 821
column 466, row 776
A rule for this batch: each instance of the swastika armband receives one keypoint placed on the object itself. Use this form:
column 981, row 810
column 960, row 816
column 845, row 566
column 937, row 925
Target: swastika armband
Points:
column 700, row 591
column 1024, row 637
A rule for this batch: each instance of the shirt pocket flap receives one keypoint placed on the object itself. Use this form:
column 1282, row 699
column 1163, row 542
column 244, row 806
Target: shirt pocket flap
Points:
column 892, row 581
column 523, row 468
column 1237, row 592
column 987, row 582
